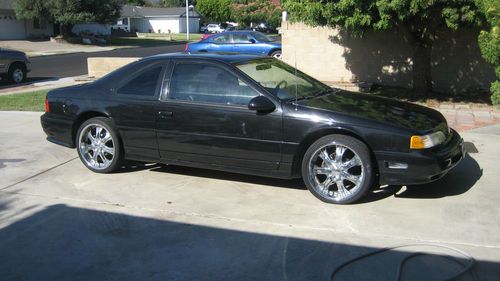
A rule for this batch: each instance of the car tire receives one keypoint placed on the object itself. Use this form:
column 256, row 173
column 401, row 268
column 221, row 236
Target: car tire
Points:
column 99, row 146
column 338, row 169
column 17, row 73
column 276, row 54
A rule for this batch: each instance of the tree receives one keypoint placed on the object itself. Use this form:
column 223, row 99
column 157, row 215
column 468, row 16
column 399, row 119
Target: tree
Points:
column 215, row 10
column 489, row 42
column 421, row 19
column 248, row 11
column 69, row 12
column 135, row 2
column 173, row 3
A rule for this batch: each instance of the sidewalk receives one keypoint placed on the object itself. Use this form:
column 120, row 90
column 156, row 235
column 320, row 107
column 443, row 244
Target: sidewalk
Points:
column 47, row 48
column 463, row 118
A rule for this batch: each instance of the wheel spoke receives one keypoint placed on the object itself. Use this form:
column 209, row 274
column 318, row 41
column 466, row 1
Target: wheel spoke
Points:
column 90, row 137
column 325, row 156
column 85, row 148
column 352, row 178
column 109, row 150
column 94, row 157
column 98, row 132
column 341, row 189
column 104, row 160
column 339, row 152
column 322, row 171
column 326, row 184
column 107, row 137
column 353, row 162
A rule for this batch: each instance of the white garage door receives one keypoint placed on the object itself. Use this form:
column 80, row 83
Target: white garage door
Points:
column 11, row 28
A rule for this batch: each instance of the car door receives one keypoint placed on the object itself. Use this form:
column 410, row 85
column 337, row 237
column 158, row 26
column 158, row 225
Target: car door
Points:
column 4, row 62
column 220, row 43
column 245, row 43
column 205, row 119
column 135, row 110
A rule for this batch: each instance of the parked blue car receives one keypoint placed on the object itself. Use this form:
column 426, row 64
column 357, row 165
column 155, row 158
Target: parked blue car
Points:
column 247, row 42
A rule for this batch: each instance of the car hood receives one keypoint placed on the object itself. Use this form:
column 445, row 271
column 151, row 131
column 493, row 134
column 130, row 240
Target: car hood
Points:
column 401, row 114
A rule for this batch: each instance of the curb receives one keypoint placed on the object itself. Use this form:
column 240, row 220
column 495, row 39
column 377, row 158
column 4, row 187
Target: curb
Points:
column 43, row 85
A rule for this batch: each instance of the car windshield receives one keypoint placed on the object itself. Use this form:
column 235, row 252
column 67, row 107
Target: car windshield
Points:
column 261, row 37
column 282, row 80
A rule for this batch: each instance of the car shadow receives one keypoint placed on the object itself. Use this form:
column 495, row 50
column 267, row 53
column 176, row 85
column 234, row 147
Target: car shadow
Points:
column 458, row 181
column 61, row 242
column 203, row 173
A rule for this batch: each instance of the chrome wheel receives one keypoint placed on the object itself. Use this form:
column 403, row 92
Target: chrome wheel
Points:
column 96, row 146
column 17, row 75
column 335, row 171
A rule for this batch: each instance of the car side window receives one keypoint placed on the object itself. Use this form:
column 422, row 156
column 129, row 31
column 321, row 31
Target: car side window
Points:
column 206, row 83
column 143, row 85
column 241, row 38
column 221, row 39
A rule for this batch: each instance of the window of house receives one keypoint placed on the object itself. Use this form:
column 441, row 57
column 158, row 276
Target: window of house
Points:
column 143, row 85
column 208, row 84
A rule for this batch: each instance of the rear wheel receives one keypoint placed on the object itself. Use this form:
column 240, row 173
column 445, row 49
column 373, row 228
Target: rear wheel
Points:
column 98, row 145
column 337, row 169
column 276, row 54
column 17, row 73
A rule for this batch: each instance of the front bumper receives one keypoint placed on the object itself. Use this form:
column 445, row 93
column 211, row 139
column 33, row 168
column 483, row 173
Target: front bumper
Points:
column 424, row 166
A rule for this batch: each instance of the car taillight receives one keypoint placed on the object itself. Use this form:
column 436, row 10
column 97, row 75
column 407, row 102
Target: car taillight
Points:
column 186, row 48
column 47, row 106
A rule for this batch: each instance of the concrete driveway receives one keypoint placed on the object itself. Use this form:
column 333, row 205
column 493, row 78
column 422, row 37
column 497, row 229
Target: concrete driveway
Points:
column 59, row 221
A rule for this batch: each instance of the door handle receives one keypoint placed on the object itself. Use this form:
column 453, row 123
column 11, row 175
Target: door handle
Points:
column 165, row 114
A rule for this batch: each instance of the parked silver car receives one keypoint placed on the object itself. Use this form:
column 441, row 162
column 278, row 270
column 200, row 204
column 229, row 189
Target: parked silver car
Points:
column 14, row 65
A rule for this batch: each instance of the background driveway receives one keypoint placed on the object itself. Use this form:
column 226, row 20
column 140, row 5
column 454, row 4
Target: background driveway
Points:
column 59, row 221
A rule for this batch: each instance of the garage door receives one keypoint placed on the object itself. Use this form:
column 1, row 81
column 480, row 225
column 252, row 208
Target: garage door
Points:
column 11, row 28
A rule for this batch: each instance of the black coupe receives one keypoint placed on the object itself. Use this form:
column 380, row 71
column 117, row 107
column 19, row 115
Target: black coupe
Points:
column 252, row 115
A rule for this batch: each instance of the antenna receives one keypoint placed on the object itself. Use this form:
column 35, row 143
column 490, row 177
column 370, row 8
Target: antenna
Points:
column 296, row 83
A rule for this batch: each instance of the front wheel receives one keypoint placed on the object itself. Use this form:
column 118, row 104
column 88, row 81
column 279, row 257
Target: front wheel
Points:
column 98, row 145
column 337, row 169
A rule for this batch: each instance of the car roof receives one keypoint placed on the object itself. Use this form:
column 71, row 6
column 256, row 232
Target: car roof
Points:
column 225, row 57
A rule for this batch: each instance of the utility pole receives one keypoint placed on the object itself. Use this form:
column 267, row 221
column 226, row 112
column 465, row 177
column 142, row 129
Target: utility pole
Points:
column 187, row 19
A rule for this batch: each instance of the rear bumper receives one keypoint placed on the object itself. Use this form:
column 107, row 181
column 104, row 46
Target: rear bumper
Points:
column 424, row 166
column 58, row 130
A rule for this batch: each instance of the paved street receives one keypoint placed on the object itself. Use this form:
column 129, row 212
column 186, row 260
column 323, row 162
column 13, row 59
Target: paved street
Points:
column 58, row 66
column 59, row 221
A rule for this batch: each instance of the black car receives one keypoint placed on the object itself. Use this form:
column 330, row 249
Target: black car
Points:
column 252, row 115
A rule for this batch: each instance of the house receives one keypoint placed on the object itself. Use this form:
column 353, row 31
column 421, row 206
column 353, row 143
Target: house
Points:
column 157, row 20
column 13, row 28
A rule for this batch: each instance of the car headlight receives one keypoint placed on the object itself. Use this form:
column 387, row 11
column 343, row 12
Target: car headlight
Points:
column 427, row 141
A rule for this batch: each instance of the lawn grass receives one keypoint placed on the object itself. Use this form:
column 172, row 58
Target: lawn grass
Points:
column 153, row 39
column 31, row 101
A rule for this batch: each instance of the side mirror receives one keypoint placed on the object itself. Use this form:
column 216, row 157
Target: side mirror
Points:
column 251, row 40
column 261, row 104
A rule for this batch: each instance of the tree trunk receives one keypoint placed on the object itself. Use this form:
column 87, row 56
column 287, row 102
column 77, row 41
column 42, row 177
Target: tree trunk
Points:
column 422, row 78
